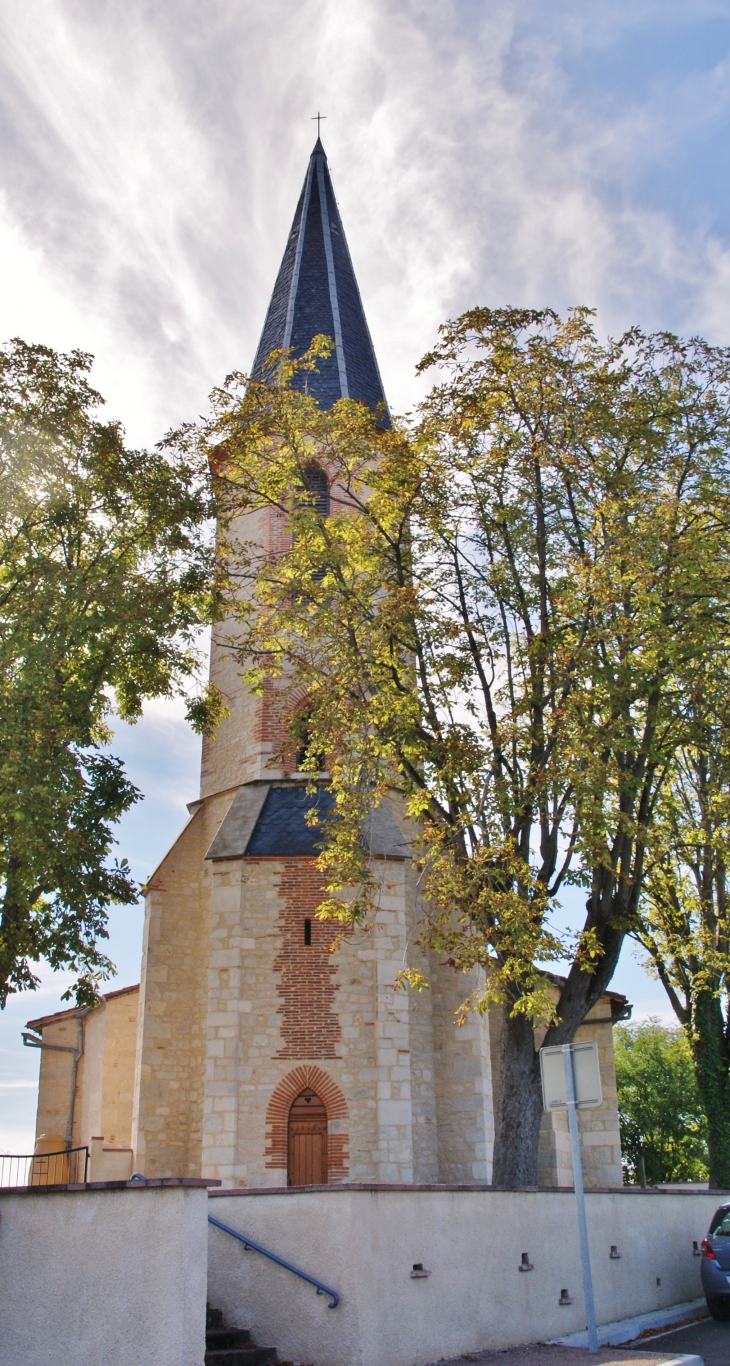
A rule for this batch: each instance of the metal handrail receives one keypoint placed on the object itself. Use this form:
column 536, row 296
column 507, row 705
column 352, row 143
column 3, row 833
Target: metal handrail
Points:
column 61, row 1168
column 256, row 1247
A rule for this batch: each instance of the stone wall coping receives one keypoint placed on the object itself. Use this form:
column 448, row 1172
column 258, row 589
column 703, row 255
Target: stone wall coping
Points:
column 148, row 1183
column 416, row 1189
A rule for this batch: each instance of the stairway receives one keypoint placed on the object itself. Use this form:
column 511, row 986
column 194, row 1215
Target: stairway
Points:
column 226, row 1346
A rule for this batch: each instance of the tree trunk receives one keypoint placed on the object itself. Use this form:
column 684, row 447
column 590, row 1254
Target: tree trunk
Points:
column 15, row 938
column 520, row 1105
column 712, row 1070
column 520, row 1092
column 583, row 989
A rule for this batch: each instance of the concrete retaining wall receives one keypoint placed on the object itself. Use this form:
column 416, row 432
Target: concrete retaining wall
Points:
column 113, row 1275
column 364, row 1243
column 118, row 1273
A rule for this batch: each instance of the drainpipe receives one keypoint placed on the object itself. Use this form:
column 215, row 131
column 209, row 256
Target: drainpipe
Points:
column 35, row 1041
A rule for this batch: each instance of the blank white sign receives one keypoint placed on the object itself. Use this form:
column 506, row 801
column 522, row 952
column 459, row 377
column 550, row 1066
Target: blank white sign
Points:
column 586, row 1071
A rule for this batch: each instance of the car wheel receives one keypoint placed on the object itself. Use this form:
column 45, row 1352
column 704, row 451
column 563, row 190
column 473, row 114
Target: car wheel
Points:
column 719, row 1307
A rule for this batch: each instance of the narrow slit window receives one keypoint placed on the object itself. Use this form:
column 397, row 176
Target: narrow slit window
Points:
column 307, row 931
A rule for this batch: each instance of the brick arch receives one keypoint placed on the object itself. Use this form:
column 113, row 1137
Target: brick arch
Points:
column 277, row 1118
column 297, row 695
column 294, row 699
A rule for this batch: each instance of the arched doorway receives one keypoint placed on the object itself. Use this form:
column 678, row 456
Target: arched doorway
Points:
column 307, row 1146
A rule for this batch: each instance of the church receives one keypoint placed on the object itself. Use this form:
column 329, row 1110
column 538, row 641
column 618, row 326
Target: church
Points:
column 250, row 1052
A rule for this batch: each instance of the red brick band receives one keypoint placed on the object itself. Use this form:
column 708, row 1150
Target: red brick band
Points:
column 277, row 1119
column 307, row 972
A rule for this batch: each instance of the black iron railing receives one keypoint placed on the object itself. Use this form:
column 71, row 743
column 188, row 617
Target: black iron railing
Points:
column 322, row 1289
column 68, row 1168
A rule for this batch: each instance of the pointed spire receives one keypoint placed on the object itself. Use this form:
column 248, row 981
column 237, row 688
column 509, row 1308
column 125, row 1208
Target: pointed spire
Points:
column 316, row 292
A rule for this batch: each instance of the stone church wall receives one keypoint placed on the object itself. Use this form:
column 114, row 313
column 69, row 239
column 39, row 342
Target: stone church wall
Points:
column 464, row 1080
column 170, row 1062
column 276, row 1003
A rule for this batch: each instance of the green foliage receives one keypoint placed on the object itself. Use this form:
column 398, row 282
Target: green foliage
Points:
column 105, row 573
column 684, row 924
column 502, row 622
column 660, row 1110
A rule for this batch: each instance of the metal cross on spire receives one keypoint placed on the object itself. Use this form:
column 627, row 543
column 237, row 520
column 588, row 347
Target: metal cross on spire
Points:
column 319, row 118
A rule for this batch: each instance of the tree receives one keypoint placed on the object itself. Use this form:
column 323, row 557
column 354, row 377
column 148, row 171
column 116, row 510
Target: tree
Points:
column 502, row 618
column 684, row 924
column 663, row 1127
column 104, row 580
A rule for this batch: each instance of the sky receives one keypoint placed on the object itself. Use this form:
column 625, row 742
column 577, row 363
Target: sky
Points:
column 507, row 151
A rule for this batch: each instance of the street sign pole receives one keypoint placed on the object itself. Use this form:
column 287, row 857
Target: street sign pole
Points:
column 580, row 1201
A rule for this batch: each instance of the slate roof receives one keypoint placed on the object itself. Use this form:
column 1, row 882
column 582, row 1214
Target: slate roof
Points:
column 282, row 826
column 271, row 819
column 316, row 292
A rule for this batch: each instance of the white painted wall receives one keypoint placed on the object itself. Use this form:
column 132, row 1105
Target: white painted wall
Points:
column 97, row 1276
column 364, row 1244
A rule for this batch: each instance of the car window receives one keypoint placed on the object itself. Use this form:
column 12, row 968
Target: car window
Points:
column 720, row 1225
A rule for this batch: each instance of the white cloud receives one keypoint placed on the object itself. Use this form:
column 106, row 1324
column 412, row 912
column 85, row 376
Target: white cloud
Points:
column 154, row 156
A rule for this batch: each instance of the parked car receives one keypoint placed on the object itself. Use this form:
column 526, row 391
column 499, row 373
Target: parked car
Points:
column 715, row 1264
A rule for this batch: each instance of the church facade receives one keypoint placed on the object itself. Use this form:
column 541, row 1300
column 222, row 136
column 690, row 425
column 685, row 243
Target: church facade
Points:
column 263, row 1058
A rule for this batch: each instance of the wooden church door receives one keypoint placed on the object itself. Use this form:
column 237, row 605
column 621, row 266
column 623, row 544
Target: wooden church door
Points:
column 307, row 1164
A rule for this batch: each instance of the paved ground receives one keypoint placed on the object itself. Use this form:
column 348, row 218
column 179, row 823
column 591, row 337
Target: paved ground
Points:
column 708, row 1339
column 544, row 1354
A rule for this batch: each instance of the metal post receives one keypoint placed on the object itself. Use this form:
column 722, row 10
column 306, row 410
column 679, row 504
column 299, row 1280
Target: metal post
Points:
column 642, row 1169
column 580, row 1202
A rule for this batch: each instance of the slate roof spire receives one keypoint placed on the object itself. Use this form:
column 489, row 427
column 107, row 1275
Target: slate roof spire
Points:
column 316, row 292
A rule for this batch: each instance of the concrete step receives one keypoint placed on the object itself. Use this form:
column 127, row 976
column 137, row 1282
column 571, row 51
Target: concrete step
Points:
column 218, row 1339
column 242, row 1356
column 226, row 1346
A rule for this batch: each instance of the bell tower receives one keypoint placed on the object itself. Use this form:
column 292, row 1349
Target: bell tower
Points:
column 264, row 1058
column 315, row 293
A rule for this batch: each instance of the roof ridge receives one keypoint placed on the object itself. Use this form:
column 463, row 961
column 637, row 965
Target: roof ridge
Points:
column 72, row 1011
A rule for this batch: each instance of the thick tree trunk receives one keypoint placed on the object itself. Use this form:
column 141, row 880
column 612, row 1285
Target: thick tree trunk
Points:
column 517, row 1123
column 520, row 1106
column 583, row 990
column 15, row 939
column 712, row 1070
